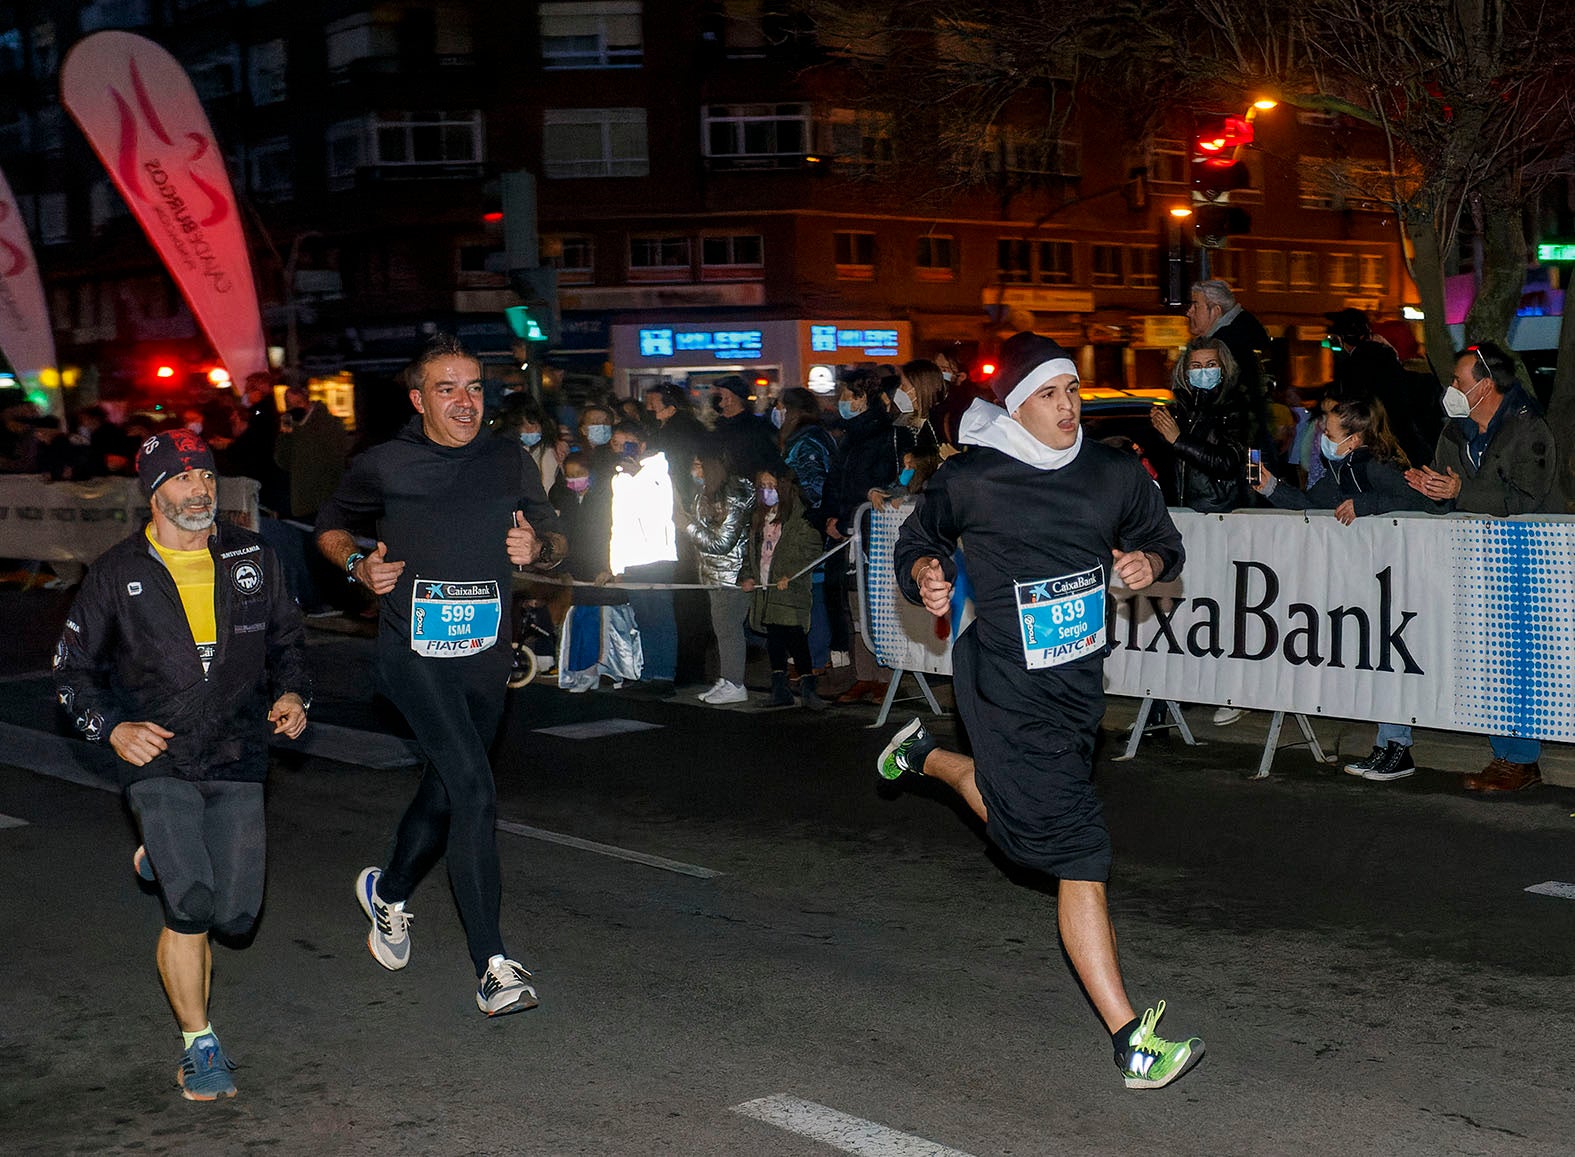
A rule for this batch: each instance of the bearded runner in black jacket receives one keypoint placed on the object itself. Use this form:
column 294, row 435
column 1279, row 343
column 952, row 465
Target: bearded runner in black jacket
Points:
column 1046, row 521
column 182, row 646
column 452, row 511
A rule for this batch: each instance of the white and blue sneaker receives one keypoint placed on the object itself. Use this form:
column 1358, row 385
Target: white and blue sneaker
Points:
column 389, row 939
column 505, row 987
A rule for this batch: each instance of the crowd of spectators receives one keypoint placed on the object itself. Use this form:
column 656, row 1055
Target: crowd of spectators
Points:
column 763, row 484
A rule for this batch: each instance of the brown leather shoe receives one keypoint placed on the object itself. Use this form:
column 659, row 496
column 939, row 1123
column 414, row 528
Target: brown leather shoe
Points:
column 1502, row 775
column 857, row 692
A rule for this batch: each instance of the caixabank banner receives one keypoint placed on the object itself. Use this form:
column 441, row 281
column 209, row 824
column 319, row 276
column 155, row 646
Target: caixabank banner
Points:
column 1461, row 623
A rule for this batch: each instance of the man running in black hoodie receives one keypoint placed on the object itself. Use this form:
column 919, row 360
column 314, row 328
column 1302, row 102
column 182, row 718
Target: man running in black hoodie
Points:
column 452, row 512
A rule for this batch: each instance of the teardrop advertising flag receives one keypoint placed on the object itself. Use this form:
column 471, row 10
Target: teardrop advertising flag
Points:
column 139, row 111
column 25, row 336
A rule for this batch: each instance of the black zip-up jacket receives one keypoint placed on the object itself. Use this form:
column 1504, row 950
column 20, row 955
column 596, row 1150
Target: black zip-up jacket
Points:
column 1373, row 486
column 1211, row 450
column 127, row 655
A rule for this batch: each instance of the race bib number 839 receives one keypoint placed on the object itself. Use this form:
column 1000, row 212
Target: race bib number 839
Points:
column 1061, row 619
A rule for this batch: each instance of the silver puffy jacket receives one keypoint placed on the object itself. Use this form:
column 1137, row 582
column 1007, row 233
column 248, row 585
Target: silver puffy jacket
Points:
column 720, row 530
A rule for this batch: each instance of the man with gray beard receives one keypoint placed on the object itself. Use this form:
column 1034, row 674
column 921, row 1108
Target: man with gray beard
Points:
column 181, row 650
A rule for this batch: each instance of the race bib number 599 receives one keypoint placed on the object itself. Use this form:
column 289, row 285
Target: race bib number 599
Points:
column 450, row 619
column 1061, row 619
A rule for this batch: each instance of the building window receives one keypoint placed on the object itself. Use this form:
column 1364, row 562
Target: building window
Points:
column 366, row 35
column 756, row 135
column 1108, row 265
column 854, row 254
column 1271, row 269
column 574, row 257
column 428, row 138
column 1143, row 266
column 595, row 142
column 104, row 204
column 1375, row 272
column 11, row 51
column 346, row 152
column 52, row 219
column 1013, row 260
column 857, row 139
column 265, row 72
column 739, row 257
column 936, row 259
column 271, row 169
column 591, row 35
column 217, row 74
column 1055, row 263
column 1342, row 271
column 1304, row 270
column 46, row 53
column 1169, row 162
column 659, row 259
column 1228, row 266
column 1019, row 151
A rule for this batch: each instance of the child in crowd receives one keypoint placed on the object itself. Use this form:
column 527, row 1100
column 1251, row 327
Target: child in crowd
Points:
column 780, row 545
column 1364, row 474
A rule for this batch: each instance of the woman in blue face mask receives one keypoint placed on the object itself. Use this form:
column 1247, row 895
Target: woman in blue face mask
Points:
column 1365, row 475
column 1207, row 428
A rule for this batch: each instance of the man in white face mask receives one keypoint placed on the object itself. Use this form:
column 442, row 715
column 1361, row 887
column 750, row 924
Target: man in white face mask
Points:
column 1495, row 456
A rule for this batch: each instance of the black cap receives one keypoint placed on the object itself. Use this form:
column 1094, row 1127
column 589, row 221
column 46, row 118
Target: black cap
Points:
column 169, row 453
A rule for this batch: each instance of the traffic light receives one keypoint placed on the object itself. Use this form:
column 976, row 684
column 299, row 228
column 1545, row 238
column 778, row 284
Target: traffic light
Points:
column 523, row 325
column 1214, row 223
column 1212, row 176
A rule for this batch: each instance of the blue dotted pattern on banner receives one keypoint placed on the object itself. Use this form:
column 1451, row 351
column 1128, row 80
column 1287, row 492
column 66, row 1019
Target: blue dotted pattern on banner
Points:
column 885, row 628
column 1515, row 646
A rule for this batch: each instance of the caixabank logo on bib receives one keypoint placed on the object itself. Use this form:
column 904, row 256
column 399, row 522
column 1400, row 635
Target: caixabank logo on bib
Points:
column 463, row 591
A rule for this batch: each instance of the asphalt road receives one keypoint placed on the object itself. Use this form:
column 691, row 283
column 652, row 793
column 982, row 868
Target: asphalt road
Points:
column 1364, row 961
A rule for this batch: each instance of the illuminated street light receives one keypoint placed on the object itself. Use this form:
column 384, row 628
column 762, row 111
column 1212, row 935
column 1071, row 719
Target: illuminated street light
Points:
column 1180, row 212
column 219, row 377
column 1264, row 104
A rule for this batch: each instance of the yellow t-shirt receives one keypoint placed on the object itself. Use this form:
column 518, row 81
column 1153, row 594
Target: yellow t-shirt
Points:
column 193, row 574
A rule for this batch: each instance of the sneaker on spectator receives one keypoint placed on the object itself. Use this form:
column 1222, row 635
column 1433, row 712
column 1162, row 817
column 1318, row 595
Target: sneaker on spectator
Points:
column 1149, row 1061
column 705, row 696
column 1225, row 716
column 204, row 1072
column 728, row 693
column 906, row 752
column 143, row 865
column 1372, row 760
column 389, row 939
column 1395, row 763
column 505, row 988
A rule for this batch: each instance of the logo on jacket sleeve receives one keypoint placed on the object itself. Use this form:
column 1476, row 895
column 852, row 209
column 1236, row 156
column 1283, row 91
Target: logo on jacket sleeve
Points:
column 247, row 577
column 133, row 588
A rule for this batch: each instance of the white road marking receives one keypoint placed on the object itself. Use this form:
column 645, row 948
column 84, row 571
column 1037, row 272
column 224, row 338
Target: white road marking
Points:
column 1559, row 888
column 597, row 728
column 840, row 1131
column 616, row 853
column 11, row 822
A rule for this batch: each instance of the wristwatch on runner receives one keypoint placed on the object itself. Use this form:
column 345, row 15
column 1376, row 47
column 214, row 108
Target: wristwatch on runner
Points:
column 350, row 562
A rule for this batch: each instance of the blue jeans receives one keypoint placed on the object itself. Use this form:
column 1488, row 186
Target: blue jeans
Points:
column 653, row 614
column 1394, row 733
column 1515, row 749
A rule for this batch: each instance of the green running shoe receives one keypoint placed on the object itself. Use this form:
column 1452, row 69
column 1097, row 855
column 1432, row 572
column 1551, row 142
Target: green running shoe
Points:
column 1150, row 1061
column 906, row 752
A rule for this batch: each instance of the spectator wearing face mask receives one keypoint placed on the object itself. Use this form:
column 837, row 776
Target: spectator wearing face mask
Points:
column 719, row 530
column 585, row 511
column 596, row 429
column 781, row 544
column 1364, row 474
column 1207, row 427
column 521, row 418
column 806, row 447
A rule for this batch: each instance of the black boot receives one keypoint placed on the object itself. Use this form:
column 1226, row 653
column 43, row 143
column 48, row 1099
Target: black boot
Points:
column 780, row 695
column 806, row 687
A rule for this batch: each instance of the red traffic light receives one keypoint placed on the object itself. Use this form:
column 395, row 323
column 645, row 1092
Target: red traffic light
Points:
column 164, row 372
column 1223, row 135
column 986, row 369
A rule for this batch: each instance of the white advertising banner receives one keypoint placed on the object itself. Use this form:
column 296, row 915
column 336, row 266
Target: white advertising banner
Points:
column 78, row 521
column 25, row 336
column 137, row 108
column 1460, row 623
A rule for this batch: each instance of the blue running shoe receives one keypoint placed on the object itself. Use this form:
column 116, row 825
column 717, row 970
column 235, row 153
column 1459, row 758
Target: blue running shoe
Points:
column 204, row 1073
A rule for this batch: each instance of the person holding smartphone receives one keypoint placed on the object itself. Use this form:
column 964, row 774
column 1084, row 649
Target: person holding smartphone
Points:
column 1207, row 427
